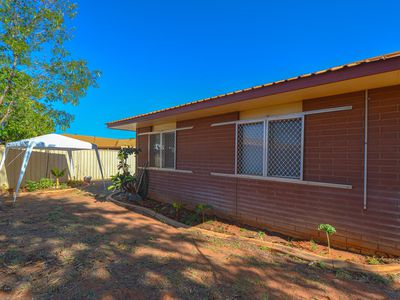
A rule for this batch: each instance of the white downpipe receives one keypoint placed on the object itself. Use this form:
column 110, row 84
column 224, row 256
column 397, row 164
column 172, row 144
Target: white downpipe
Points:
column 365, row 149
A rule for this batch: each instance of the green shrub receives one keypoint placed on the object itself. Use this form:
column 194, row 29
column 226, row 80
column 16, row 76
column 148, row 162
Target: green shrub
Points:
column 261, row 235
column 373, row 260
column 191, row 219
column 31, row 185
column 46, row 183
column 201, row 210
column 313, row 245
column 63, row 186
column 124, row 181
column 75, row 183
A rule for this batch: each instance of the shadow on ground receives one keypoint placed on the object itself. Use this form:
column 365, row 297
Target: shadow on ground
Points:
column 71, row 246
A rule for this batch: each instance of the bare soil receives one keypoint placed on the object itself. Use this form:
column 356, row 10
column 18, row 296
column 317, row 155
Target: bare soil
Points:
column 217, row 224
column 71, row 245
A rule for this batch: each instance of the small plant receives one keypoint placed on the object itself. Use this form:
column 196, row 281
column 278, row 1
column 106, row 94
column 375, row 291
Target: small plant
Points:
column 329, row 230
column 75, row 183
column 191, row 219
column 264, row 248
column 313, row 245
column 261, row 235
column 63, row 186
column 373, row 260
column 201, row 209
column 45, row 183
column 4, row 188
column 341, row 274
column 57, row 173
column 321, row 265
column 177, row 207
column 124, row 181
column 31, row 185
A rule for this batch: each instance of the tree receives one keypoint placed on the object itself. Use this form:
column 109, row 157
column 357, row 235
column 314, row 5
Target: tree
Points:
column 27, row 119
column 36, row 70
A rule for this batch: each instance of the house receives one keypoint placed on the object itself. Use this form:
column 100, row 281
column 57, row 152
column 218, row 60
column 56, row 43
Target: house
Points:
column 288, row 155
column 104, row 143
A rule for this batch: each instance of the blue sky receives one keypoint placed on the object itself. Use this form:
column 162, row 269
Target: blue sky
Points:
column 156, row 54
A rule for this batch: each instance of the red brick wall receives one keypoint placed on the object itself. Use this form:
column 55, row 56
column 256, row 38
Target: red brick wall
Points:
column 201, row 151
column 333, row 153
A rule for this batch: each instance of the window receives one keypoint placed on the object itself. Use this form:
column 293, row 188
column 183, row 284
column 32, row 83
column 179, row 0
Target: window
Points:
column 162, row 150
column 250, row 148
column 168, row 150
column 155, row 148
column 285, row 148
column 272, row 148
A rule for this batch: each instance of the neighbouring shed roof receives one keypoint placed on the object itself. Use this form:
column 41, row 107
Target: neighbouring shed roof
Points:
column 104, row 143
column 52, row 141
column 374, row 65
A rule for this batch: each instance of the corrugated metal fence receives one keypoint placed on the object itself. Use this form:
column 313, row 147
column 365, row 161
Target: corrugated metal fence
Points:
column 42, row 161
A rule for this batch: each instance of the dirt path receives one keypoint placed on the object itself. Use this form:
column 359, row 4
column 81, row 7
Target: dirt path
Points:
column 71, row 246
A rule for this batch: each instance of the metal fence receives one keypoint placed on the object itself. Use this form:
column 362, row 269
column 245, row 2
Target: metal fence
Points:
column 42, row 161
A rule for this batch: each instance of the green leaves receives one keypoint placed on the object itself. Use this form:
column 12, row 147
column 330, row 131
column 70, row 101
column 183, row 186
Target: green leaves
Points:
column 177, row 207
column 329, row 229
column 123, row 181
column 36, row 69
column 56, row 172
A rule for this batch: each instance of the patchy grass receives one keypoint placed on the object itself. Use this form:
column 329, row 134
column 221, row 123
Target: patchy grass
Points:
column 264, row 248
column 341, row 274
column 373, row 260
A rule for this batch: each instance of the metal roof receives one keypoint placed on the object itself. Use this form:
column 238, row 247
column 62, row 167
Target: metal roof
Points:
column 275, row 83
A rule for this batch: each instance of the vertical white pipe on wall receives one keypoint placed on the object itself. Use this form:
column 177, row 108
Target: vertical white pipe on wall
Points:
column 366, row 149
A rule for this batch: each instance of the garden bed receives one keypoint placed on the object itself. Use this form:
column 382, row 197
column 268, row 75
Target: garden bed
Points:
column 219, row 225
column 45, row 185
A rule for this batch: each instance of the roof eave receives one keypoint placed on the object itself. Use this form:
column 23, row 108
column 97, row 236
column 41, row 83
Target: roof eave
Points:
column 345, row 73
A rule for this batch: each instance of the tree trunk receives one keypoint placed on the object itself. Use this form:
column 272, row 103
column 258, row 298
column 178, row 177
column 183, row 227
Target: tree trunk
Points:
column 329, row 243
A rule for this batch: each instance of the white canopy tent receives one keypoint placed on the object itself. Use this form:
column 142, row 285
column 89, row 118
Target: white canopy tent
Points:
column 49, row 141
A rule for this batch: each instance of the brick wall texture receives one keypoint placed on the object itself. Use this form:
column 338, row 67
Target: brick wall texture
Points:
column 333, row 153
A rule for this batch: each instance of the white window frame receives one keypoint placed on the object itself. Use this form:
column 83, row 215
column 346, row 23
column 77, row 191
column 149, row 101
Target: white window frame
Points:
column 161, row 148
column 279, row 179
column 266, row 144
column 148, row 147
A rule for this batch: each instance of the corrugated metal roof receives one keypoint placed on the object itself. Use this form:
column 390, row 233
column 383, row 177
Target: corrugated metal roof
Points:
column 332, row 69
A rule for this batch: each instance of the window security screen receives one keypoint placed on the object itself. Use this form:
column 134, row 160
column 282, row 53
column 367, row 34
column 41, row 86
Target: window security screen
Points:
column 250, row 141
column 284, row 148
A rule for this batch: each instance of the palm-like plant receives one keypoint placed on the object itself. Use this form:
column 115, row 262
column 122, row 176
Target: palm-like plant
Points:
column 329, row 230
column 57, row 173
column 201, row 209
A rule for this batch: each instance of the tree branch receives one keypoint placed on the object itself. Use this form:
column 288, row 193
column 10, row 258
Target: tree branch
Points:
column 7, row 114
column 9, row 81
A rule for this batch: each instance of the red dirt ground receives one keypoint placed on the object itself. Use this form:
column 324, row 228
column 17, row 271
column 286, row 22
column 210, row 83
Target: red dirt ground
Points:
column 309, row 246
column 69, row 245
column 216, row 224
